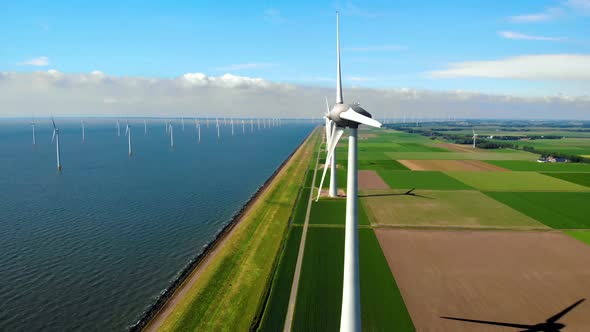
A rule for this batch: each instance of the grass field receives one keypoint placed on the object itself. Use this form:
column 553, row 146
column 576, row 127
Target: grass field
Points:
column 434, row 208
column 230, row 289
column 514, row 181
column 320, row 290
column 333, row 212
column 583, row 236
column 517, row 155
column 276, row 308
column 578, row 178
column 521, row 165
column 421, row 180
column 557, row 210
column 376, row 165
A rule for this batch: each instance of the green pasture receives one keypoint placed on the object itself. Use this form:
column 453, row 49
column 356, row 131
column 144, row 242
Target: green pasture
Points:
column 514, row 181
column 561, row 210
column 522, row 165
column 332, row 211
column 578, row 178
column 421, row 180
column 273, row 318
column 515, row 155
column 434, row 208
column 319, row 297
column 583, row 236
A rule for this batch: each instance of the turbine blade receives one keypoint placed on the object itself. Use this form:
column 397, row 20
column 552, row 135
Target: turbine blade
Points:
column 328, row 131
column 327, row 106
column 562, row 313
column 352, row 115
column 126, row 130
column 53, row 136
column 338, row 75
column 331, row 147
column 53, row 123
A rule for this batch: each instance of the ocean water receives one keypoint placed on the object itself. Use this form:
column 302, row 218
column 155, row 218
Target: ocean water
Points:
column 92, row 247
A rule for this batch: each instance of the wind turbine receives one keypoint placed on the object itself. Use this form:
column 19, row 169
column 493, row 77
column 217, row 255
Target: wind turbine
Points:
column 144, row 127
column 243, row 128
column 128, row 133
column 351, row 116
column 251, row 125
column 258, row 120
column 182, row 121
column 217, row 124
column 232, row 126
column 171, row 134
column 198, row 125
column 474, row 138
column 118, row 128
column 55, row 137
column 330, row 127
column 33, row 127
column 83, row 131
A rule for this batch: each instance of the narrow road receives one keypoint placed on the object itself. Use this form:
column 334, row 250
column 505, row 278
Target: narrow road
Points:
column 295, row 285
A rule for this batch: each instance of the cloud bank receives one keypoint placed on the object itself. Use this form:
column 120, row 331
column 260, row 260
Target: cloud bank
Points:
column 536, row 67
column 41, row 61
column 522, row 36
column 195, row 94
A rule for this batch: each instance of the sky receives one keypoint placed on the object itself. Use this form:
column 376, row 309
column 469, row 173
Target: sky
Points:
column 108, row 57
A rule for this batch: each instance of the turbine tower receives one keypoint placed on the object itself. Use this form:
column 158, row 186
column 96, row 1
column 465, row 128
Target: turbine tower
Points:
column 34, row 137
column 351, row 116
column 55, row 137
column 171, row 135
column 330, row 127
column 83, row 131
column 144, row 127
column 232, row 126
column 182, row 121
column 128, row 133
column 474, row 138
column 217, row 124
column 118, row 128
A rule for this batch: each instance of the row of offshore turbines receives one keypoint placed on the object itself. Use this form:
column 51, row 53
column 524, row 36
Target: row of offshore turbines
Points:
column 246, row 125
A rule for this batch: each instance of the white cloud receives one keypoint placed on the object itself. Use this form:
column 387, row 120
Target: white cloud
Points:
column 99, row 94
column 249, row 65
column 377, row 48
column 583, row 5
column 534, row 67
column 548, row 15
column 41, row 61
column 522, row 36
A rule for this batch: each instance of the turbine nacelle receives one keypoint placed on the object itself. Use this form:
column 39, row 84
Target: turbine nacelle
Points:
column 351, row 115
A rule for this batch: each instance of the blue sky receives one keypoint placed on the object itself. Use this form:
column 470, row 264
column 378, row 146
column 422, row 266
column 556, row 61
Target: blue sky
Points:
column 385, row 44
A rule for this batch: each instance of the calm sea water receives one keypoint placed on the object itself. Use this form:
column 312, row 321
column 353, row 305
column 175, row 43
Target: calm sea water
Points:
column 91, row 248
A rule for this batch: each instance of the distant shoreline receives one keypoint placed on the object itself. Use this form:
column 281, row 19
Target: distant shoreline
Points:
column 190, row 271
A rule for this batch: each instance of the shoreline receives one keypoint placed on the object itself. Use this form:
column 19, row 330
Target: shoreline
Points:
column 159, row 310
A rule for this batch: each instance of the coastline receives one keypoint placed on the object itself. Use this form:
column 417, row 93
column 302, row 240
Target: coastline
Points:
column 159, row 311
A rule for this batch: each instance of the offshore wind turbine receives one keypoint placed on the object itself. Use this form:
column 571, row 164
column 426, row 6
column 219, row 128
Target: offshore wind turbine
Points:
column 198, row 125
column 232, row 126
column 217, row 124
column 55, row 137
column 243, row 128
column 34, row 135
column 474, row 138
column 128, row 133
column 182, row 121
column 144, row 127
column 171, row 135
column 351, row 116
column 118, row 128
column 251, row 125
column 83, row 131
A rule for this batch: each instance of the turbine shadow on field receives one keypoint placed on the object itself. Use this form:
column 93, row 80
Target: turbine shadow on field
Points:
column 549, row 325
column 407, row 193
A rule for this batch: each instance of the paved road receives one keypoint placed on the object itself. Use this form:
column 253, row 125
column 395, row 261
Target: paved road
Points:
column 295, row 285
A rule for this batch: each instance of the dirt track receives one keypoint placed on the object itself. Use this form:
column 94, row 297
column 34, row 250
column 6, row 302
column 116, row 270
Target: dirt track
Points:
column 371, row 180
column 502, row 276
column 451, row 165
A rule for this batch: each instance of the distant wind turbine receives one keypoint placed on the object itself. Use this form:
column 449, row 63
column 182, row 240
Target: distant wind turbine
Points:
column 182, row 121
column 118, row 128
column 474, row 138
column 351, row 116
column 128, row 133
column 232, row 126
column 198, row 125
column 251, row 125
column 34, row 136
column 144, row 127
column 171, row 135
column 243, row 128
column 217, row 124
column 55, row 137
column 83, row 131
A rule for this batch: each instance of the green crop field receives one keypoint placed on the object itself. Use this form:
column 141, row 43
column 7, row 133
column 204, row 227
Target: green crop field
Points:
column 301, row 207
column 328, row 211
column 515, row 155
column 421, row 180
column 583, row 236
column 522, row 165
column 276, row 308
column 579, row 178
column 319, row 296
column 561, row 210
column 514, row 181
column 434, row 208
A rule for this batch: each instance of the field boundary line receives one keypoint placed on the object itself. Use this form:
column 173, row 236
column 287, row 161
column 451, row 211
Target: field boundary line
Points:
column 297, row 274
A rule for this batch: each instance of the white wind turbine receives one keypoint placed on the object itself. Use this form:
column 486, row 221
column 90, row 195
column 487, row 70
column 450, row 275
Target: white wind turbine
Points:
column 55, row 137
column 351, row 116
column 34, row 135
column 128, row 134
column 330, row 127
column 232, row 126
column 243, row 128
column 171, row 129
column 217, row 124
column 198, row 126
column 118, row 128
column 83, row 131
column 474, row 138
column 251, row 125
column 182, row 121
column 144, row 127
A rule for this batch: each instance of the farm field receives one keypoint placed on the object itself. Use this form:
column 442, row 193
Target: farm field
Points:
column 450, row 165
column 578, row 178
column 519, row 165
column 435, row 208
column 332, row 212
column 514, row 181
column 514, row 155
column 421, row 180
column 502, row 276
column 583, row 236
column 560, row 210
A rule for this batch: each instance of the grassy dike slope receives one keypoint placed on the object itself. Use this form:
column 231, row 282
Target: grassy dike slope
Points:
column 231, row 288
